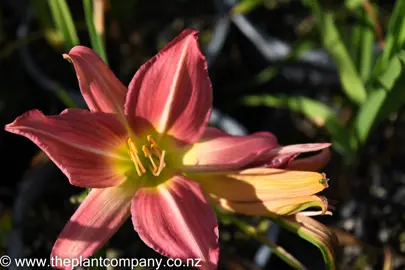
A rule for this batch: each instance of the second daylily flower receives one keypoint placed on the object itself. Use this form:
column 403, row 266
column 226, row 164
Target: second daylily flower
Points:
column 140, row 149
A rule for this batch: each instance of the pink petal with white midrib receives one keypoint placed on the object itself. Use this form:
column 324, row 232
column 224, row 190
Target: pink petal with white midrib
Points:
column 79, row 142
column 98, row 217
column 218, row 151
column 176, row 221
column 101, row 89
column 172, row 91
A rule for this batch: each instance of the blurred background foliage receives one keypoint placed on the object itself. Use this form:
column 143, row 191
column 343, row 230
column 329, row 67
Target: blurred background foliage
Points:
column 308, row 71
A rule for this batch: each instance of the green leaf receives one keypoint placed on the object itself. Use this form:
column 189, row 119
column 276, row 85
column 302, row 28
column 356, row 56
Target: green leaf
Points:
column 355, row 41
column 366, row 47
column 349, row 77
column 333, row 43
column 353, row 4
column 255, row 233
column 385, row 99
column 317, row 112
column 96, row 38
column 44, row 17
column 395, row 37
column 64, row 23
column 315, row 233
column 246, row 6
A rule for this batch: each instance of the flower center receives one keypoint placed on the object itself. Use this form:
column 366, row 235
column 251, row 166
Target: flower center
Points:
column 152, row 151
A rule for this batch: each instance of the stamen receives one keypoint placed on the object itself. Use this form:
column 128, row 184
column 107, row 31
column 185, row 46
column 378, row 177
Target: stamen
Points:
column 147, row 154
column 161, row 164
column 140, row 164
column 133, row 153
column 132, row 145
column 133, row 158
column 156, row 150
column 149, row 151
column 154, row 146
column 151, row 140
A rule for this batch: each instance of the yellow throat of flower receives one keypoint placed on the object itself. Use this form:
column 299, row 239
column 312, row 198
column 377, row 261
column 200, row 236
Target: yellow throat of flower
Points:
column 152, row 151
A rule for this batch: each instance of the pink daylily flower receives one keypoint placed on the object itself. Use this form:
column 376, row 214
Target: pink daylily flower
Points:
column 146, row 152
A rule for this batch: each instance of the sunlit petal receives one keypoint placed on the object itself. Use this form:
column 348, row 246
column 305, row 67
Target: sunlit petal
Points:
column 283, row 206
column 172, row 91
column 261, row 184
column 220, row 151
column 298, row 148
column 94, row 222
column 100, row 88
column 175, row 220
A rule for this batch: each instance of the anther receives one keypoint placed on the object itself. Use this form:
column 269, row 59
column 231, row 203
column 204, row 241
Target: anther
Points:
column 153, row 151
column 132, row 145
column 151, row 140
column 133, row 153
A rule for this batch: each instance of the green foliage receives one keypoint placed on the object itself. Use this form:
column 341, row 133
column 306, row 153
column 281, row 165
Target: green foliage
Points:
column 386, row 98
column 64, row 22
column 373, row 84
column 44, row 17
column 365, row 47
column 255, row 233
column 96, row 38
column 245, row 6
column 315, row 233
column 319, row 113
column 395, row 37
column 333, row 43
column 305, row 227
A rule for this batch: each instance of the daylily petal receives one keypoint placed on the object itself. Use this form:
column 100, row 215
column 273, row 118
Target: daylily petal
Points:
column 284, row 206
column 173, row 91
column 100, row 88
column 297, row 148
column 261, row 184
column 175, row 220
column 84, row 145
column 280, row 157
column 313, row 163
column 280, row 161
column 98, row 217
column 220, row 151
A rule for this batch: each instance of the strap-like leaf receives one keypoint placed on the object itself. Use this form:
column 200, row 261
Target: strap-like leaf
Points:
column 255, row 233
column 64, row 22
column 314, row 232
column 319, row 113
column 385, row 99
column 96, row 38
column 333, row 43
column 395, row 38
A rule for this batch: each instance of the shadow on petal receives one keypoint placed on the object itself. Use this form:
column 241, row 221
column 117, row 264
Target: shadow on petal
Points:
column 265, row 191
column 98, row 217
column 183, row 224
